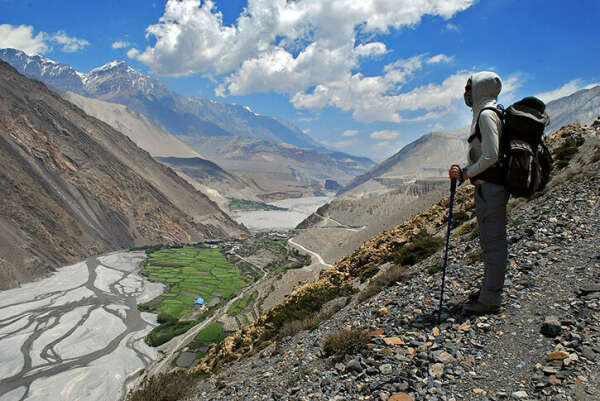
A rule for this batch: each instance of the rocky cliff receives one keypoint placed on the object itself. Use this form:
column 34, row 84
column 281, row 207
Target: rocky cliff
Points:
column 73, row 187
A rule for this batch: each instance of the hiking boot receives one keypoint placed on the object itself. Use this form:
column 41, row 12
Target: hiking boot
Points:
column 478, row 308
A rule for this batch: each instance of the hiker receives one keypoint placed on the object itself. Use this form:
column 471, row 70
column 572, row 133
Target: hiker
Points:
column 482, row 91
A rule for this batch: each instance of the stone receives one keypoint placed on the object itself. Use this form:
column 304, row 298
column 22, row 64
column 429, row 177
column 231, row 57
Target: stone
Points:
column 393, row 341
column 383, row 311
column 400, row 397
column 550, row 370
column 436, row 370
column 557, row 355
column 386, row 369
column 520, row 395
column 354, row 365
column 553, row 380
column 479, row 391
column 551, row 327
column 377, row 333
column 443, row 357
column 465, row 326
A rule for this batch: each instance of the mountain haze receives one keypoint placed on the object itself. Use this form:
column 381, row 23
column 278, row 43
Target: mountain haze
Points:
column 154, row 139
column 74, row 187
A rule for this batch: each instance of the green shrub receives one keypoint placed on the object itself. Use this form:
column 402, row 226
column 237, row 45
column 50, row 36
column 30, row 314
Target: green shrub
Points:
column 164, row 317
column 163, row 387
column 382, row 280
column 565, row 152
column 164, row 332
column 308, row 304
column 465, row 229
column 368, row 273
column 434, row 268
column 345, row 342
column 458, row 218
column 422, row 246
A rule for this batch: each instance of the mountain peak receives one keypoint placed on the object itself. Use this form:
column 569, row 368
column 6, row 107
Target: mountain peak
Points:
column 111, row 66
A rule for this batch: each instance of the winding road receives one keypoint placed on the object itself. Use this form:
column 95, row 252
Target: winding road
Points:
column 77, row 335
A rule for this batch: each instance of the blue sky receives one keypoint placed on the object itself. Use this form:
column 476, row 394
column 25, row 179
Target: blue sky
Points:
column 361, row 76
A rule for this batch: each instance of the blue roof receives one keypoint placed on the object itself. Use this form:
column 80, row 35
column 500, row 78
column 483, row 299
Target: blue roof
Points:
column 199, row 301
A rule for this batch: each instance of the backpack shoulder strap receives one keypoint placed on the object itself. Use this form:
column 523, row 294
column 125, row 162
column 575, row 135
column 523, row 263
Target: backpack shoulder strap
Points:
column 477, row 134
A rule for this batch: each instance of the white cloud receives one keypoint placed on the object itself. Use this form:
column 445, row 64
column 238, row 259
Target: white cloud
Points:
column 440, row 58
column 385, row 134
column 132, row 53
column 452, row 27
column 565, row 90
column 350, row 132
column 22, row 38
column 69, row 44
column 120, row 44
column 280, row 45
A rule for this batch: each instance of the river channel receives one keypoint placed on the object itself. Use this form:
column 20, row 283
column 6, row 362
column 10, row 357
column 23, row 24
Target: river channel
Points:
column 78, row 334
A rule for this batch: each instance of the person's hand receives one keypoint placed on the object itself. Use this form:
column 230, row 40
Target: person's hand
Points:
column 456, row 173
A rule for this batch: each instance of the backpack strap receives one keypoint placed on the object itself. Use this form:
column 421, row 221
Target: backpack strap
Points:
column 477, row 134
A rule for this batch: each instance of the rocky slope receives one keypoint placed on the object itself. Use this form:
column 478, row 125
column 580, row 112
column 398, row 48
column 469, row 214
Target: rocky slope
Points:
column 426, row 158
column 553, row 276
column 73, row 187
column 580, row 107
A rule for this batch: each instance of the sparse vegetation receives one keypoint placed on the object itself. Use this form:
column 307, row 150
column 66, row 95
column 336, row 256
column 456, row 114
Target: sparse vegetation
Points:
column 309, row 304
column 435, row 268
column 465, row 229
column 163, row 387
column 247, row 205
column 239, row 305
column 346, row 342
column 383, row 280
column 475, row 256
column 565, row 152
column 422, row 246
column 459, row 218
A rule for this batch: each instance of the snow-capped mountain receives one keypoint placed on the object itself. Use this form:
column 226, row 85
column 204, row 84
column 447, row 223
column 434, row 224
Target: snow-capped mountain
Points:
column 117, row 82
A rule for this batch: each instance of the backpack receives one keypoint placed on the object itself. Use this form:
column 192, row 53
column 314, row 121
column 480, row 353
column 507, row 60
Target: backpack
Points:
column 525, row 163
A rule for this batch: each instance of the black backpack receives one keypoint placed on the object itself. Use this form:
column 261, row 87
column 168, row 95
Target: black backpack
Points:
column 525, row 163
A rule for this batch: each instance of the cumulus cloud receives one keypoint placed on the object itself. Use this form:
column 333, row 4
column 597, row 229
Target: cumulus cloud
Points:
column 22, row 37
column 120, row 44
column 350, row 132
column 565, row 90
column 385, row 134
column 280, row 45
column 452, row 27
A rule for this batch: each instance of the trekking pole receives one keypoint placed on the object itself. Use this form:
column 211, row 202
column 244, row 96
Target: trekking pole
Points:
column 452, row 191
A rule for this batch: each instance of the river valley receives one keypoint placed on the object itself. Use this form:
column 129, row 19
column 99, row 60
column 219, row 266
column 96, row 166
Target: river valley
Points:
column 77, row 335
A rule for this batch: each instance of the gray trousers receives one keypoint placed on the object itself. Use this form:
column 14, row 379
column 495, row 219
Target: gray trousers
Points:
column 490, row 208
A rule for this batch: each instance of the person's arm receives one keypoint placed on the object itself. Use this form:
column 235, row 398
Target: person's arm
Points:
column 490, row 127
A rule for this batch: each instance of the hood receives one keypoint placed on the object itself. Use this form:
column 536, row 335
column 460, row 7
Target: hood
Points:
column 486, row 87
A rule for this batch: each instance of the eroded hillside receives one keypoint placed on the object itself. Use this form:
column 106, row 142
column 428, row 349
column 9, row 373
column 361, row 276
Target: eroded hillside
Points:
column 75, row 187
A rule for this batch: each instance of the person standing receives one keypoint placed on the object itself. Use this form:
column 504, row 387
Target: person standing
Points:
column 481, row 94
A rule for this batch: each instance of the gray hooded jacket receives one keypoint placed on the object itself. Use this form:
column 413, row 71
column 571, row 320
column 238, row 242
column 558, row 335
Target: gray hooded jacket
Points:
column 484, row 153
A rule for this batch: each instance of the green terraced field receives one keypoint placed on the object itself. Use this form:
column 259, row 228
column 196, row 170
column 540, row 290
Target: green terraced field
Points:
column 241, row 303
column 191, row 272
